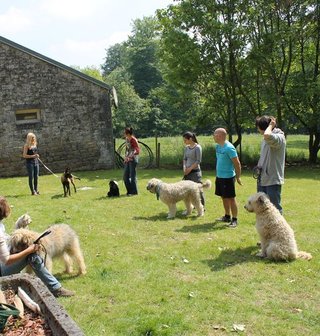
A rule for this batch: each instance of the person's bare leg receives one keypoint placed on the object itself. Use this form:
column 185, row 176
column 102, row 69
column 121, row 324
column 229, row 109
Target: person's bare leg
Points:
column 227, row 206
column 233, row 207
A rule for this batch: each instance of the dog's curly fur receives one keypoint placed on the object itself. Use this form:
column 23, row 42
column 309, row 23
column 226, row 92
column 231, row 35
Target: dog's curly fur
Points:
column 277, row 237
column 62, row 242
column 171, row 193
column 23, row 221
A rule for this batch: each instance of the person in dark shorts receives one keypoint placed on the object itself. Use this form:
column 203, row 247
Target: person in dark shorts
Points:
column 228, row 169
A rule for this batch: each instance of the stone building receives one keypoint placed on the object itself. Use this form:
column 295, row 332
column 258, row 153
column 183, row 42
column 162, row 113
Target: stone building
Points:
column 69, row 112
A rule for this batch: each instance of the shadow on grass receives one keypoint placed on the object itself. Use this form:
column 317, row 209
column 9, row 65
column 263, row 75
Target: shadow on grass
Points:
column 207, row 227
column 229, row 258
column 64, row 276
column 17, row 196
column 110, row 199
column 57, row 196
column 161, row 217
column 102, row 198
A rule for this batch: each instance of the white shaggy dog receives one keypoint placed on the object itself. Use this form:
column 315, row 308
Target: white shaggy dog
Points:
column 277, row 237
column 171, row 193
column 62, row 242
column 23, row 222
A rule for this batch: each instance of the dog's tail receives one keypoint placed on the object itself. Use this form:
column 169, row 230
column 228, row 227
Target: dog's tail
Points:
column 206, row 184
column 304, row 255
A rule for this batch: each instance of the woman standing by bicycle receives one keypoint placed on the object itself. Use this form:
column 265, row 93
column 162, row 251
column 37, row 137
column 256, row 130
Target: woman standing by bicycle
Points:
column 130, row 162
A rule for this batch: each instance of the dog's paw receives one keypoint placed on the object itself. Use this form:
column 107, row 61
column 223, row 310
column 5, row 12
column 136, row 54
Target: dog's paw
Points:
column 261, row 255
column 68, row 270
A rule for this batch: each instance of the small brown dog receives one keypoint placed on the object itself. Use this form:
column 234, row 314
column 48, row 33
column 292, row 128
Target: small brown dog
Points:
column 66, row 179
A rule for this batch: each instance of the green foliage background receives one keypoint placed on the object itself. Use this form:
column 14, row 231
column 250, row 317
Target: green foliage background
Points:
column 197, row 65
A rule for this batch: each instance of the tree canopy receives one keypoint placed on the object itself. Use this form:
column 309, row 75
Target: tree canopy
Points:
column 199, row 64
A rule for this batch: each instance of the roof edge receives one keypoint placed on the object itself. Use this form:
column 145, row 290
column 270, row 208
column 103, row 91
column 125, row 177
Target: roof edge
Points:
column 55, row 63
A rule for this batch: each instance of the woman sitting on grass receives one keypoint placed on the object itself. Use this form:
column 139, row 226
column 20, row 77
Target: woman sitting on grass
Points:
column 14, row 263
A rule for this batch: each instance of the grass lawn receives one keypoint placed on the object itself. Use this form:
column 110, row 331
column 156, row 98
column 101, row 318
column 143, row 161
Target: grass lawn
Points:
column 187, row 276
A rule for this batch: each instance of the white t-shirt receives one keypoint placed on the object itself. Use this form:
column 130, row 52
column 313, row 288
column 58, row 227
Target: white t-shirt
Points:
column 4, row 251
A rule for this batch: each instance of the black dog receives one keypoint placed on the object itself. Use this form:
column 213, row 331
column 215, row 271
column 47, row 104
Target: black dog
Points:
column 66, row 179
column 114, row 189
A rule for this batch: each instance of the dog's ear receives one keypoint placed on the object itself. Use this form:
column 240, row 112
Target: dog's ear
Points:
column 262, row 199
column 25, row 241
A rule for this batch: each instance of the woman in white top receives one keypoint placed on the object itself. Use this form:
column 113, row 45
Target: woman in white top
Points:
column 14, row 263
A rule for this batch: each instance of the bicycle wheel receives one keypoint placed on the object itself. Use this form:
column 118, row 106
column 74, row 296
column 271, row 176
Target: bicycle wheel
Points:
column 145, row 157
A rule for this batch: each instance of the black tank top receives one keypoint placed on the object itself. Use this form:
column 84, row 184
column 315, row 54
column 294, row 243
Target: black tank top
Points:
column 32, row 151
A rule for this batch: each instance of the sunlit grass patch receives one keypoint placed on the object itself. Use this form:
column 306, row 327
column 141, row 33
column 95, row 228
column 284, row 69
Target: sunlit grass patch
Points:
column 189, row 276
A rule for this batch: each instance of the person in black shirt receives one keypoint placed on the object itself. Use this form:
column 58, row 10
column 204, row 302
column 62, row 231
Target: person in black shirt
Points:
column 30, row 153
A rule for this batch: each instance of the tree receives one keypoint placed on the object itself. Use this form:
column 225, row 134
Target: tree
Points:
column 132, row 109
column 145, row 99
column 303, row 93
column 239, row 59
column 91, row 71
column 272, row 39
column 169, row 112
column 141, row 59
column 114, row 58
column 203, row 44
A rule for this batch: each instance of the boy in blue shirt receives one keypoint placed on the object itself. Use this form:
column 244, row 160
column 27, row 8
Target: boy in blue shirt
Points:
column 228, row 169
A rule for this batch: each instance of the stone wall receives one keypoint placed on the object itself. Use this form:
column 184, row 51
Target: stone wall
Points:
column 75, row 126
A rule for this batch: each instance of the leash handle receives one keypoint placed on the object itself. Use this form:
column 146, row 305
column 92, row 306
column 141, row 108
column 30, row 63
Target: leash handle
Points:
column 41, row 236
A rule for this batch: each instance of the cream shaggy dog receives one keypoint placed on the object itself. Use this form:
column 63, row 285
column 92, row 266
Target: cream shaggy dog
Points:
column 277, row 237
column 62, row 242
column 23, row 222
column 171, row 193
